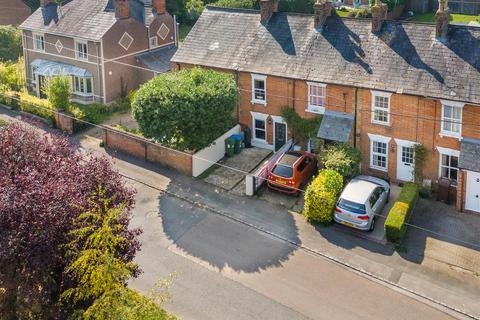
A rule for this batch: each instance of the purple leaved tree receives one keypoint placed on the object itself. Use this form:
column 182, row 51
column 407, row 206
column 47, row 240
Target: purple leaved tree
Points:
column 44, row 185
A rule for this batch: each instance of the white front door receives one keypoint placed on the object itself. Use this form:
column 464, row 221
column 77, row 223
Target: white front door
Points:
column 405, row 160
column 472, row 197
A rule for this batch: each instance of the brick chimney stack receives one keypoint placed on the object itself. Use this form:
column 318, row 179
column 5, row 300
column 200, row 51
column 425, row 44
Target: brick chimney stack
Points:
column 442, row 18
column 322, row 10
column 122, row 9
column 159, row 6
column 267, row 8
column 379, row 15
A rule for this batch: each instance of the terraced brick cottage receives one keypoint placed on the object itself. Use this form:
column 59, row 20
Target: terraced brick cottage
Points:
column 382, row 85
column 96, row 42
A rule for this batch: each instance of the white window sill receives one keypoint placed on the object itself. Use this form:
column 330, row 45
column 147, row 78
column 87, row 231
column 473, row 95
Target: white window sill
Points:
column 385, row 124
column 450, row 135
column 259, row 102
column 312, row 110
column 82, row 59
column 378, row 168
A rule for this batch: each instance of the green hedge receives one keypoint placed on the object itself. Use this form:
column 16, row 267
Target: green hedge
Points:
column 396, row 223
column 321, row 196
column 36, row 106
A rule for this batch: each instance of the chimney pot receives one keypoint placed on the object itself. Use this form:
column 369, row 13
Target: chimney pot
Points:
column 442, row 19
column 379, row 15
column 322, row 10
column 122, row 9
column 267, row 8
column 159, row 6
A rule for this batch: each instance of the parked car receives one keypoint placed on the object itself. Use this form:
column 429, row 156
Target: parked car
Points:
column 292, row 171
column 360, row 201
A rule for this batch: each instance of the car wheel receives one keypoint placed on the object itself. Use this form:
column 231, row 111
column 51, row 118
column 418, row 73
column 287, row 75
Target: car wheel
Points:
column 372, row 225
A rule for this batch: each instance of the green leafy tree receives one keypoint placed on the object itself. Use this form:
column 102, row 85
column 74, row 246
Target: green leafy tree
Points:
column 100, row 269
column 58, row 90
column 187, row 109
column 194, row 9
column 342, row 158
column 11, row 76
column 10, row 43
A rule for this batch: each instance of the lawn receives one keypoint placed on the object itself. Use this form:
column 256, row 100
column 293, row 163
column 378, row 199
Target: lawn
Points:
column 458, row 18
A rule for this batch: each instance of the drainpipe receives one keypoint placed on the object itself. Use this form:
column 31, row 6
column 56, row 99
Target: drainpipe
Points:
column 293, row 93
column 237, row 77
column 98, row 66
column 356, row 119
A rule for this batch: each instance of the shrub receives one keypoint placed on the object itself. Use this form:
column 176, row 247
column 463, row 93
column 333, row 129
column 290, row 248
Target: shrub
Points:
column 321, row 195
column 395, row 225
column 187, row 109
column 391, row 3
column 3, row 122
column 36, row 106
column 242, row 4
column 58, row 90
column 342, row 158
column 10, row 43
column 11, row 75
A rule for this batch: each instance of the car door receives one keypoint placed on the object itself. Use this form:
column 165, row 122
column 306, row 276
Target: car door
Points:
column 372, row 203
column 377, row 200
column 302, row 170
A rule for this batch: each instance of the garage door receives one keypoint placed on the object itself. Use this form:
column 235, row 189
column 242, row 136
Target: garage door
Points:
column 472, row 199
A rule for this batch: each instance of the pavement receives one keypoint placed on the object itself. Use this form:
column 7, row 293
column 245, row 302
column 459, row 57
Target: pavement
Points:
column 247, row 160
column 245, row 258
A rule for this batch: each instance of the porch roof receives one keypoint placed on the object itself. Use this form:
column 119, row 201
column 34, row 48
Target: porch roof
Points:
column 469, row 154
column 336, row 126
column 54, row 68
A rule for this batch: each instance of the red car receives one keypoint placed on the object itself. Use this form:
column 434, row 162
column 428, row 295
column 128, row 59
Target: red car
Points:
column 292, row 171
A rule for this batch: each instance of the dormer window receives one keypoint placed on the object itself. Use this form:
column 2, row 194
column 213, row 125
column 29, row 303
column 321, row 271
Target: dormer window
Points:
column 39, row 42
column 81, row 50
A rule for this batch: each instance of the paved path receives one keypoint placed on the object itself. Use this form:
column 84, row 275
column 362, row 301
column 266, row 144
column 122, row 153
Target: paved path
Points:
column 230, row 270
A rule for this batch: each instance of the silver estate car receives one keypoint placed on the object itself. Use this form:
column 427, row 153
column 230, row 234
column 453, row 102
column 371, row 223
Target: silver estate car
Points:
column 360, row 201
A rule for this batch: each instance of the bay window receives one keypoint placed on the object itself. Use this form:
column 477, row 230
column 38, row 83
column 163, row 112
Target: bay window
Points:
column 82, row 86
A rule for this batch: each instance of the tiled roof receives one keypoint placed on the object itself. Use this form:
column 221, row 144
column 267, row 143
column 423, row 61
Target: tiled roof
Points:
column 469, row 154
column 86, row 19
column 158, row 59
column 403, row 57
column 336, row 126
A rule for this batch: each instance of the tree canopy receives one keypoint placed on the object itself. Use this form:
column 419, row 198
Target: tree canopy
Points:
column 187, row 109
column 10, row 44
column 46, row 184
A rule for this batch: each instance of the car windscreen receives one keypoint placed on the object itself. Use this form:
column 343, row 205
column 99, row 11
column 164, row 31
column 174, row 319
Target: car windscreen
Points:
column 283, row 171
column 351, row 206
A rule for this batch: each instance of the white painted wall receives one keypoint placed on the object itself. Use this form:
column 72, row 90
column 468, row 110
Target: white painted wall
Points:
column 207, row 157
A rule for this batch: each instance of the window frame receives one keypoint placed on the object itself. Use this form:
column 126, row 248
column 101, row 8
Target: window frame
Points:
column 259, row 77
column 450, row 153
column 379, row 139
column 320, row 109
column 33, row 79
column 35, row 47
column 81, row 56
column 451, row 120
column 82, row 81
column 155, row 45
column 381, row 94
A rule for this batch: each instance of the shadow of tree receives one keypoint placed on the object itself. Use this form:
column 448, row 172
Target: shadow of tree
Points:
column 279, row 27
column 465, row 45
column 218, row 240
column 346, row 42
column 394, row 36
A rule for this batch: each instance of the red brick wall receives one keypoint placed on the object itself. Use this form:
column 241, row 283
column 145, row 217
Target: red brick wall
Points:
column 136, row 147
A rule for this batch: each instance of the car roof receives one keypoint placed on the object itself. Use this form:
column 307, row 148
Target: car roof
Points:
column 289, row 158
column 358, row 191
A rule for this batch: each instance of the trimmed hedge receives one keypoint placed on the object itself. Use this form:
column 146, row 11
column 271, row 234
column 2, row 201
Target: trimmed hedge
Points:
column 395, row 225
column 36, row 106
column 321, row 196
